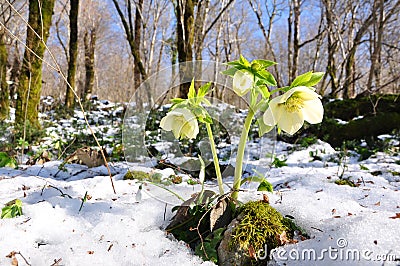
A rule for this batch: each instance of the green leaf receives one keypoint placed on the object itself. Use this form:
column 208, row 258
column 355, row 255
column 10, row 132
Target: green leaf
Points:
column 12, row 209
column 315, row 78
column 263, row 63
column 262, row 127
column 230, row 71
column 177, row 100
column 7, row 161
column 192, row 91
column 264, row 91
column 203, row 90
column 234, row 63
column 210, row 245
column 265, row 186
column 243, row 61
column 301, row 80
column 183, row 104
column 207, row 102
column 267, row 77
column 279, row 163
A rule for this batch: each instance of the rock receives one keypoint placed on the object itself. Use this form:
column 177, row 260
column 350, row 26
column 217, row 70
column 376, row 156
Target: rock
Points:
column 231, row 255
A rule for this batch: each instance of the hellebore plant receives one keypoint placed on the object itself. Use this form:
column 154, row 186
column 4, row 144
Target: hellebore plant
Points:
column 297, row 103
column 183, row 117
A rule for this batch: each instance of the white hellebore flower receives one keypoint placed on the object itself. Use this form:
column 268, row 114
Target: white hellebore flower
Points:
column 182, row 123
column 242, row 82
column 289, row 110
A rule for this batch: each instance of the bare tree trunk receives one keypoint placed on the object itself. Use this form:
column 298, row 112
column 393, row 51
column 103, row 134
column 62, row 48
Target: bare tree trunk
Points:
column 14, row 78
column 296, row 38
column 130, row 31
column 73, row 52
column 137, row 41
column 128, row 27
column 331, row 68
column 351, row 57
column 185, row 33
column 30, row 81
column 376, row 45
column 4, row 90
column 289, row 44
column 89, row 41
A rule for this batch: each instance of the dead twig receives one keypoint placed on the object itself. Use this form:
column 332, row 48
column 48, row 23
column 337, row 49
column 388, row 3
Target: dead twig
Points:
column 56, row 262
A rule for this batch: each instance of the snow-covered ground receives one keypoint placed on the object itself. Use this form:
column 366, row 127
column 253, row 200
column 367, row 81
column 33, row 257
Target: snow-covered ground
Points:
column 347, row 225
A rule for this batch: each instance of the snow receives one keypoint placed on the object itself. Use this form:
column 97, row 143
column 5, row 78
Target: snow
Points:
column 127, row 228
column 115, row 229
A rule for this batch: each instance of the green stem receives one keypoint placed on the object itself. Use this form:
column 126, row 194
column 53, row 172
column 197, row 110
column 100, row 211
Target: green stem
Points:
column 215, row 158
column 240, row 154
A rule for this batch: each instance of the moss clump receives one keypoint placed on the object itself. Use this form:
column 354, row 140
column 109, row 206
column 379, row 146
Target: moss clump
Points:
column 345, row 182
column 139, row 175
column 260, row 225
column 156, row 178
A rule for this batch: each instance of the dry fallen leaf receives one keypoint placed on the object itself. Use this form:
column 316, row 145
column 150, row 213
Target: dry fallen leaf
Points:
column 265, row 198
column 252, row 252
column 378, row 203
column 14, row 261
column 283, row 238
column 397, row 216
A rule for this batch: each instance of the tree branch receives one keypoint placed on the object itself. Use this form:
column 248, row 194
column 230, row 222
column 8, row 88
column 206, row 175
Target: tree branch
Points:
column 217, row 18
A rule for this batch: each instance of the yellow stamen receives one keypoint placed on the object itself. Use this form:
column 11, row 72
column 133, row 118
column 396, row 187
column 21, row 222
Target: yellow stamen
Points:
column 294, row 104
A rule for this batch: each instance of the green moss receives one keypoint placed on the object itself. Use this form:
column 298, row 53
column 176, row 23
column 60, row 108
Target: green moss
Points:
column 346, row 182
column 260, row 225
column 139, row 175
column 156, row 178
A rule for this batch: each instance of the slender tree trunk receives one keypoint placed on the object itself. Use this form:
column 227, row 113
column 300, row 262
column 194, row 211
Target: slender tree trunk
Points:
column 376, row 44
column 73, row 52
column 89, row 41
column 332, row 49
column 15, row 73
column 4, row 90
column 296, row 38
column 351, row 57
column 127, row 23
column 137, row 40
column 128, row 27
column 30, row 81
column 289, row 43
column 185, row 31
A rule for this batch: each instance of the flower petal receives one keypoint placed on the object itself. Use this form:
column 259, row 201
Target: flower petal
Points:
column 306, row 93
column 291, row 122
column 268, row 118
column 242, row 82
column 182, row 122
column 313, row 111
column 167, row 123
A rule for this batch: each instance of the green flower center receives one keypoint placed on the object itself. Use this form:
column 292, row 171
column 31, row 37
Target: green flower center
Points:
column 294, row 104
